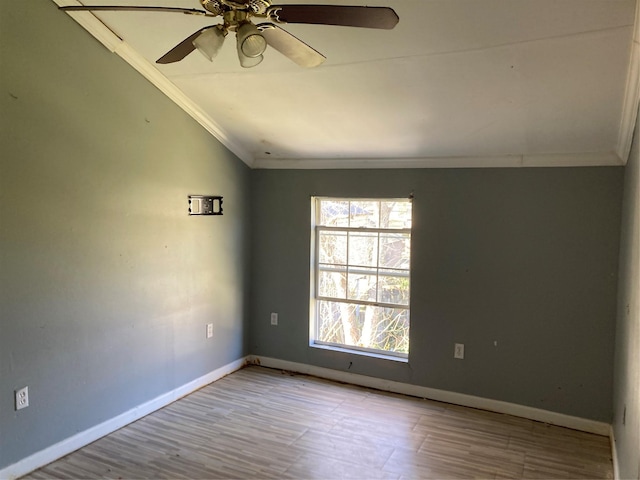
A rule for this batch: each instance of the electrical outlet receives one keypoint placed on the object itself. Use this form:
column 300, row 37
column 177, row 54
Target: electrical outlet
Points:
column 209, row 330
column 274, row 319
column 22, row 398
column 458, row 351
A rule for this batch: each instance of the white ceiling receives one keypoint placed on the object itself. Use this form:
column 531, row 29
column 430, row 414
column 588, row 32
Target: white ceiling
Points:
column 477, row 79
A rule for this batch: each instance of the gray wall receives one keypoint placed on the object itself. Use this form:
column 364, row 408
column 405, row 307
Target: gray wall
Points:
column 524, row 257
column 626, row 401
column 106, row 283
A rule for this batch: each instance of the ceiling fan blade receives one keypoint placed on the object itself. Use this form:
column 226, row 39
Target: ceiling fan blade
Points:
column 345, row 15
column 182, row 49
column 290, row 46
column 189, row 11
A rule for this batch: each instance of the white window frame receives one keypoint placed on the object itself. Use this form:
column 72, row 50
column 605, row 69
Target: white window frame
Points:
column 315, row 273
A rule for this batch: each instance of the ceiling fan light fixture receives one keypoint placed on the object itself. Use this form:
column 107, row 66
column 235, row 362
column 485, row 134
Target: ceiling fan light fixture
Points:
column 209, row 42
column 248, row 62
column 250, row 41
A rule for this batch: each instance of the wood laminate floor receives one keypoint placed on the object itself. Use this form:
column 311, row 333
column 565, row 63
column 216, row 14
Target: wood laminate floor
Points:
column 262, row 423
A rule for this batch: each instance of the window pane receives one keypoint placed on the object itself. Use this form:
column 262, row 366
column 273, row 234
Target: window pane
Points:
column 334, row 213
column 395, row 214
column 363, row 326
column 395, row 250
column 365, row 214
column 392, row 330
column 335, row 322
column 363, row 249
column 333, row 248
column 393, row 288
column 332, row 284
column 362, row 285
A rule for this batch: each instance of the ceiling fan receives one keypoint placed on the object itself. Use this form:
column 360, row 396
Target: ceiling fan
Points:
column 252, row 39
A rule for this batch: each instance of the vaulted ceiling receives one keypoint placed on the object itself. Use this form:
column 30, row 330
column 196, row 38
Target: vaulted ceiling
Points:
column 455, row 83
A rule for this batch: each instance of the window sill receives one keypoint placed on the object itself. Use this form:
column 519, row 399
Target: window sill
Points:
column 361, row 353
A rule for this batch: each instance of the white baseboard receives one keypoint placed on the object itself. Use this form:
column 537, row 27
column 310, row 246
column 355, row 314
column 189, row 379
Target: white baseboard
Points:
column 79, row 440
column 614, row 453
column 554, row 418
column 92, row 434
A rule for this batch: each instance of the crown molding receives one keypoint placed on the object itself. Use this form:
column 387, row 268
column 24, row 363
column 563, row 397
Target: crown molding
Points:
column 631, row 96
column 116, row 45
column 151, row 73
column 91, row 24
column 504, row 161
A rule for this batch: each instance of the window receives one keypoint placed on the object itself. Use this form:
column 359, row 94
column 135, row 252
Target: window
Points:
column 360, row 293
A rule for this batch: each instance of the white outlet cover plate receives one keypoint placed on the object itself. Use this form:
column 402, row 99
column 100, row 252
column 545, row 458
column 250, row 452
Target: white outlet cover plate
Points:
column 209, row 330
column 458, row 351
column 22, row 398
column 274, row 319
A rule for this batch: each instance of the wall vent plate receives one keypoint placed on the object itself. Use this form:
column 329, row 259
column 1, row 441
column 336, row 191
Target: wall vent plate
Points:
column 205, row 205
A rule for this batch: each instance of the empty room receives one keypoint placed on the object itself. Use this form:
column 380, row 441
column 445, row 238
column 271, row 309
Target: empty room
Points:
column 255, row 239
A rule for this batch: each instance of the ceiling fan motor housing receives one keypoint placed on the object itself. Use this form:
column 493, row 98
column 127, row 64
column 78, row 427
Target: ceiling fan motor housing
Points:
column 259, row 7
column 218, row 7
column 213, row 6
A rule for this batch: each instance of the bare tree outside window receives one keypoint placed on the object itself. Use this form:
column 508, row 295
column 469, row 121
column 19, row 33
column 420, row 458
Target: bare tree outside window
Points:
column 362, row 267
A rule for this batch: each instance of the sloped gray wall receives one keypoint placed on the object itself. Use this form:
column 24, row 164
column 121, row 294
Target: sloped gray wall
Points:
column 106, row 284
column 626, row 421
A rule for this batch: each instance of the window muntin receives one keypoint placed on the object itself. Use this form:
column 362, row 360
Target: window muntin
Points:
column 362, row 275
